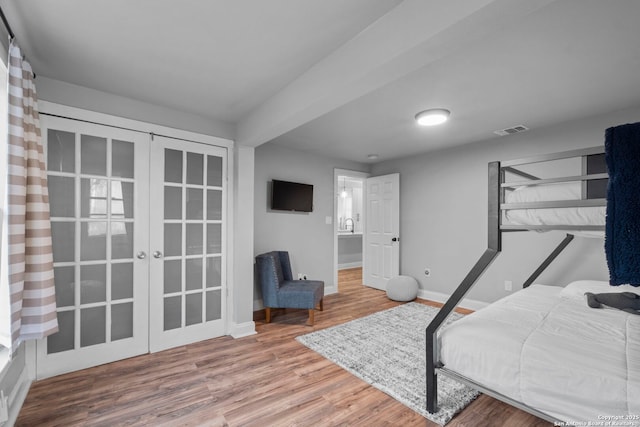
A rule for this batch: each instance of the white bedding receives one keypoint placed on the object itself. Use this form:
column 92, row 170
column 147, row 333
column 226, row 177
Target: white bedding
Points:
column 557, row 216
column 543, row 346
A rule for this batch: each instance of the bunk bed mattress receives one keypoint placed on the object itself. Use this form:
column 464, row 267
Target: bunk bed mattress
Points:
column 543, row 346
column 591, row 215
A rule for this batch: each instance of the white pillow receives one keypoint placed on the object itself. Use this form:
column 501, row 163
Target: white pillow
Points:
column 578, row 288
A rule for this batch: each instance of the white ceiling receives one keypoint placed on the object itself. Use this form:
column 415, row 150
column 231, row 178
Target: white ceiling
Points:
column 569, row 60
column 344, row 78
column 218, row 58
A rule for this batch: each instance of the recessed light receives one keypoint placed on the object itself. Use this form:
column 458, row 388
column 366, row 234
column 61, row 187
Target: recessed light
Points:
column 372, row 156
column 432, row 117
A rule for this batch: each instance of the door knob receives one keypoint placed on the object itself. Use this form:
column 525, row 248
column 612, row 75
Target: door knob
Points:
column 141, row 255
column 157, row 254
column 395, row 239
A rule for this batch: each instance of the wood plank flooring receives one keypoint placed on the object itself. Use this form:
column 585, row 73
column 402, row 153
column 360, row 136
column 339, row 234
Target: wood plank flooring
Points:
column 267, row 379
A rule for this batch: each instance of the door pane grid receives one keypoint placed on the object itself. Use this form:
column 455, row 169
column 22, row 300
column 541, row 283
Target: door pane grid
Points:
column 93, row 224
column 183, row 216
column 203, row 274
column 187, row 184
column 95, row 240
column 77, row 250
column 96, row 271
column 91, row 305
column 91, row 169
column 93, row 202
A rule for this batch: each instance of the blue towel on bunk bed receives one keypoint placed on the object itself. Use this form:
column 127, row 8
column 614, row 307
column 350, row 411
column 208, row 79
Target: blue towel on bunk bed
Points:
column 622, row 231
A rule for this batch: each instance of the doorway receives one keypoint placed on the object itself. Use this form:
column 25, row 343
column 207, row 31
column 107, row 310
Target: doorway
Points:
column 349, row 220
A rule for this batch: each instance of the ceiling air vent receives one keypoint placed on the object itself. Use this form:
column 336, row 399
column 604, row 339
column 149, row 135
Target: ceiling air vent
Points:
column 509, row 131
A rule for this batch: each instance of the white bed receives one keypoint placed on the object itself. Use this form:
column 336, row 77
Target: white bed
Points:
column 543, row 346
column 575, row 216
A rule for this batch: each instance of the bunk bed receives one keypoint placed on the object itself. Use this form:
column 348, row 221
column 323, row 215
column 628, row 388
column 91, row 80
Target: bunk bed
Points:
column 542, row 349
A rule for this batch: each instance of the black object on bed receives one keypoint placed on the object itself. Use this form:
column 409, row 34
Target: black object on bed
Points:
column 625, row 301
column 622, row 231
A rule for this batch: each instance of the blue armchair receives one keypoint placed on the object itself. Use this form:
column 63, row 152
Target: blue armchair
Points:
column 279, row 290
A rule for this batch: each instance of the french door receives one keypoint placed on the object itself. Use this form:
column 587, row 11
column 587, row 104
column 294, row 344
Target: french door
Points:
column 98, row 187
column 188, row 266
column 138, row 233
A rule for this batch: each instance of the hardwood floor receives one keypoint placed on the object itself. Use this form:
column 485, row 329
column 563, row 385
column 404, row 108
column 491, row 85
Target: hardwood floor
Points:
column 267, row 379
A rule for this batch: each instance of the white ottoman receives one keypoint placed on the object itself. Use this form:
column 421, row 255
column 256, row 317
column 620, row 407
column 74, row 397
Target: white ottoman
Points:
column 402, row 288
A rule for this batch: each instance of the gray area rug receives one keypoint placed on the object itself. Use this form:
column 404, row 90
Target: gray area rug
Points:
column 387, row 350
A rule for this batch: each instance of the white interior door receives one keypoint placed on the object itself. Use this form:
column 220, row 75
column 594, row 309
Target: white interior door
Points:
column 382, row 230
column 98, row 192
column 188, row 241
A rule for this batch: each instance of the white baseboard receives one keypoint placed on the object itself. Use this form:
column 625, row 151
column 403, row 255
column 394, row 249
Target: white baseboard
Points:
column 347, row 265
column 442, row 298
column 330, row 290
column 239, row 330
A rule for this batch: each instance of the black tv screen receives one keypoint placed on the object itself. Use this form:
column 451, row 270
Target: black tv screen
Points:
column 291, row 196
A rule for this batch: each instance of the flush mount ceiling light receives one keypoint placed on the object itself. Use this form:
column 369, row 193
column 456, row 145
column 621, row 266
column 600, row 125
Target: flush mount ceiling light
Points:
column 432, row 117
column 372, row 156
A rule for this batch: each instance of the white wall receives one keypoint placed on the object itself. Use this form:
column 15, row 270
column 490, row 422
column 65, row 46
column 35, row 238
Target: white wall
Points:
column 102, row 102
column 15, row 382
column 243, row 241
column 306, row 236
column 444, row 219
column 349, row 250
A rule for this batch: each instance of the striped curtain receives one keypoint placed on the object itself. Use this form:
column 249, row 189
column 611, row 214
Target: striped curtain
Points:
column 30, row 256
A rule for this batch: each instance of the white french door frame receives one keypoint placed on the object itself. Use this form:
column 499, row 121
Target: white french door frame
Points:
column 73, row 113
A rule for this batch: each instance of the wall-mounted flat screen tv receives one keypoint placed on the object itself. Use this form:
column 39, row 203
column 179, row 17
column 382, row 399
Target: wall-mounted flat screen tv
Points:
column 291, row 196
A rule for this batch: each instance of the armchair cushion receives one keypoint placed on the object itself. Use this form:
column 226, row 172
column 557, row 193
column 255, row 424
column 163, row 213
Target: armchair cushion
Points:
column 301, row 294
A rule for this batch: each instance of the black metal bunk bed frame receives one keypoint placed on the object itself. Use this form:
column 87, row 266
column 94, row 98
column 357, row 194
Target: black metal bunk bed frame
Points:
column 496, row 206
